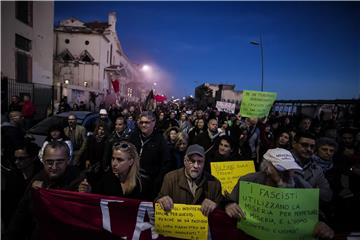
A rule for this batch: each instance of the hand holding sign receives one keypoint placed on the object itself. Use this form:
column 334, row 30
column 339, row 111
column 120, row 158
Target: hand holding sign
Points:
column 166, row 203
column 207, row 207
column 234, row 211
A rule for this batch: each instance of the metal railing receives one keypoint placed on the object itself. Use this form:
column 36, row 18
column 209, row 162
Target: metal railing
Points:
column 41, row 95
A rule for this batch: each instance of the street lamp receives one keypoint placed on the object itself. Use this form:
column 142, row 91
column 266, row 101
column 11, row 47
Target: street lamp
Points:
column 145, row 68
column 260, row 44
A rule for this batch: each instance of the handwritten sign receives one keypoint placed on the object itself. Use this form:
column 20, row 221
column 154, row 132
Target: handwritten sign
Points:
column 228, row 173
column 256, row 104
column 183, row 221
column 225, row 107
column 278, row 213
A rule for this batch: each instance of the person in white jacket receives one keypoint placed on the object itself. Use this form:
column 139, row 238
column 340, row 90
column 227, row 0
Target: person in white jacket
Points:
column 56, row 133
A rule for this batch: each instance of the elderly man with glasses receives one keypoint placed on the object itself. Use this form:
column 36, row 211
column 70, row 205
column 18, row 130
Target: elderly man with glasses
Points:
column 191, row 184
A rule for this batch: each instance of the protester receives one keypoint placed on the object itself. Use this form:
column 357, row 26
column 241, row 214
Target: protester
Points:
column 283, row 139
column 28, row 110
column 170, row 136
column 56, row 133
column 82, row 106
column 154, row 154
column 15, row 104
column 178, row 152
column 209, row 137
column 95, row 148
column 56, row 174
column 253, row 139
column 184, row 124
column 199, row 127
column 224, row 150
column 305, row 124
column 15, row 181
column 120, row 133
column 104, row 120
column 303, row 149
column 162, row 124
column 77, row 135
column 224, row 128
column 124, row 179
column 191, row 184
column 173, row 122
column 12, row 137
column 276, row 170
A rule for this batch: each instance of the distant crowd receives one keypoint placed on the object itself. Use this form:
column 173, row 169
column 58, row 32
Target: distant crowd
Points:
column 164, row 156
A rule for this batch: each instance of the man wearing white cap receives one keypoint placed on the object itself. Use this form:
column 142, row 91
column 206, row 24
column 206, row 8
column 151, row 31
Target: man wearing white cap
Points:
column 276, row 170
column 104, row 120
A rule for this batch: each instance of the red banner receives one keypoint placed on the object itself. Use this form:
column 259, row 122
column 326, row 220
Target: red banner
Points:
column 74, row 216
column 116, row 85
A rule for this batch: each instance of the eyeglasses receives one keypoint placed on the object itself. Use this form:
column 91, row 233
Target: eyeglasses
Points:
column 145, row 122
column 57, row 162
column 22, row 158
column 193, row 161
column 121, row 146
column 307, row 145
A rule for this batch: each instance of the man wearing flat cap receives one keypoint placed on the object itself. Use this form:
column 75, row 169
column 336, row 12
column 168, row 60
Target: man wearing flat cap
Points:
column 191, row 184
column 276, row 170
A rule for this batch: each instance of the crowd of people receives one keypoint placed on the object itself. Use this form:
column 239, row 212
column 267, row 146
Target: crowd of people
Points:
column 164, row 156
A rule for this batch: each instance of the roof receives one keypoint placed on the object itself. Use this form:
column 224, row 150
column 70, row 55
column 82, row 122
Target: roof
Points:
column 69, row 25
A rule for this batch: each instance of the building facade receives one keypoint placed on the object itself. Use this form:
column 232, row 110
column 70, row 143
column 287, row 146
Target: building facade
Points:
column 26, row 52
column 89, row 61
column 218, row 92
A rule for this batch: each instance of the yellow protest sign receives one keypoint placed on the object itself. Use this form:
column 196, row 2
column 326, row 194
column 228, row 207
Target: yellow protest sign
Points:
column 228, row 173
column 256, row 104
column 183, row 221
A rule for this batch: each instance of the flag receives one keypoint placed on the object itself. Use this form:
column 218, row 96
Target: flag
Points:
column 73, row 216
column 149, row 102
column 116, row 85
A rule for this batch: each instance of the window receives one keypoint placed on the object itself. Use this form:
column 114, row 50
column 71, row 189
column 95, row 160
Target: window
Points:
column 111, row 54
column 86, row 57
column 22, row 43
column 23, row 67
column 66, row 56
column 67, row 41
column 24, row 11
column 87, row 42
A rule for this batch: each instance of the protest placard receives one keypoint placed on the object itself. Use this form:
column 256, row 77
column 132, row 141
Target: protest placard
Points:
column 278, row 213
column 183, row 221
column 225, row 107
column 256, row 104
column 228, row 173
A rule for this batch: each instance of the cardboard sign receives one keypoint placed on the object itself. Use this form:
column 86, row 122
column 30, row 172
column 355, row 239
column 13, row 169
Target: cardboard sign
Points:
column 278, row 213
column 228, row 173
column 225, row 107
column 183, row 221
column 256, row 104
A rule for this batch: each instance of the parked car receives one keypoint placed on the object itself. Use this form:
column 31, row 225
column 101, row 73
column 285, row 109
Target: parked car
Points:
column 40, row 130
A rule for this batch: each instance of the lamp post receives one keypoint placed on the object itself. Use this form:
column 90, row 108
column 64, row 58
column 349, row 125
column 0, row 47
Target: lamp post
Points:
column 260, row 44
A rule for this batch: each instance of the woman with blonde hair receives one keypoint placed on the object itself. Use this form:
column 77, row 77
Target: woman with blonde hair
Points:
column 178, row 153
column 124, row 179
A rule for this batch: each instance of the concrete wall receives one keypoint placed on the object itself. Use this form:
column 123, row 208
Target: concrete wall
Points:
column 40, row 34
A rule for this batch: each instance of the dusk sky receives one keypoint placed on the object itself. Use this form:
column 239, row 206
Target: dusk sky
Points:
column 311, row 49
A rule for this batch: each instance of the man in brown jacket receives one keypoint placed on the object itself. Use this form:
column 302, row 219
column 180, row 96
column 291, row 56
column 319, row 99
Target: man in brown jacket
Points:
column 77, row 135
column 191, row 184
